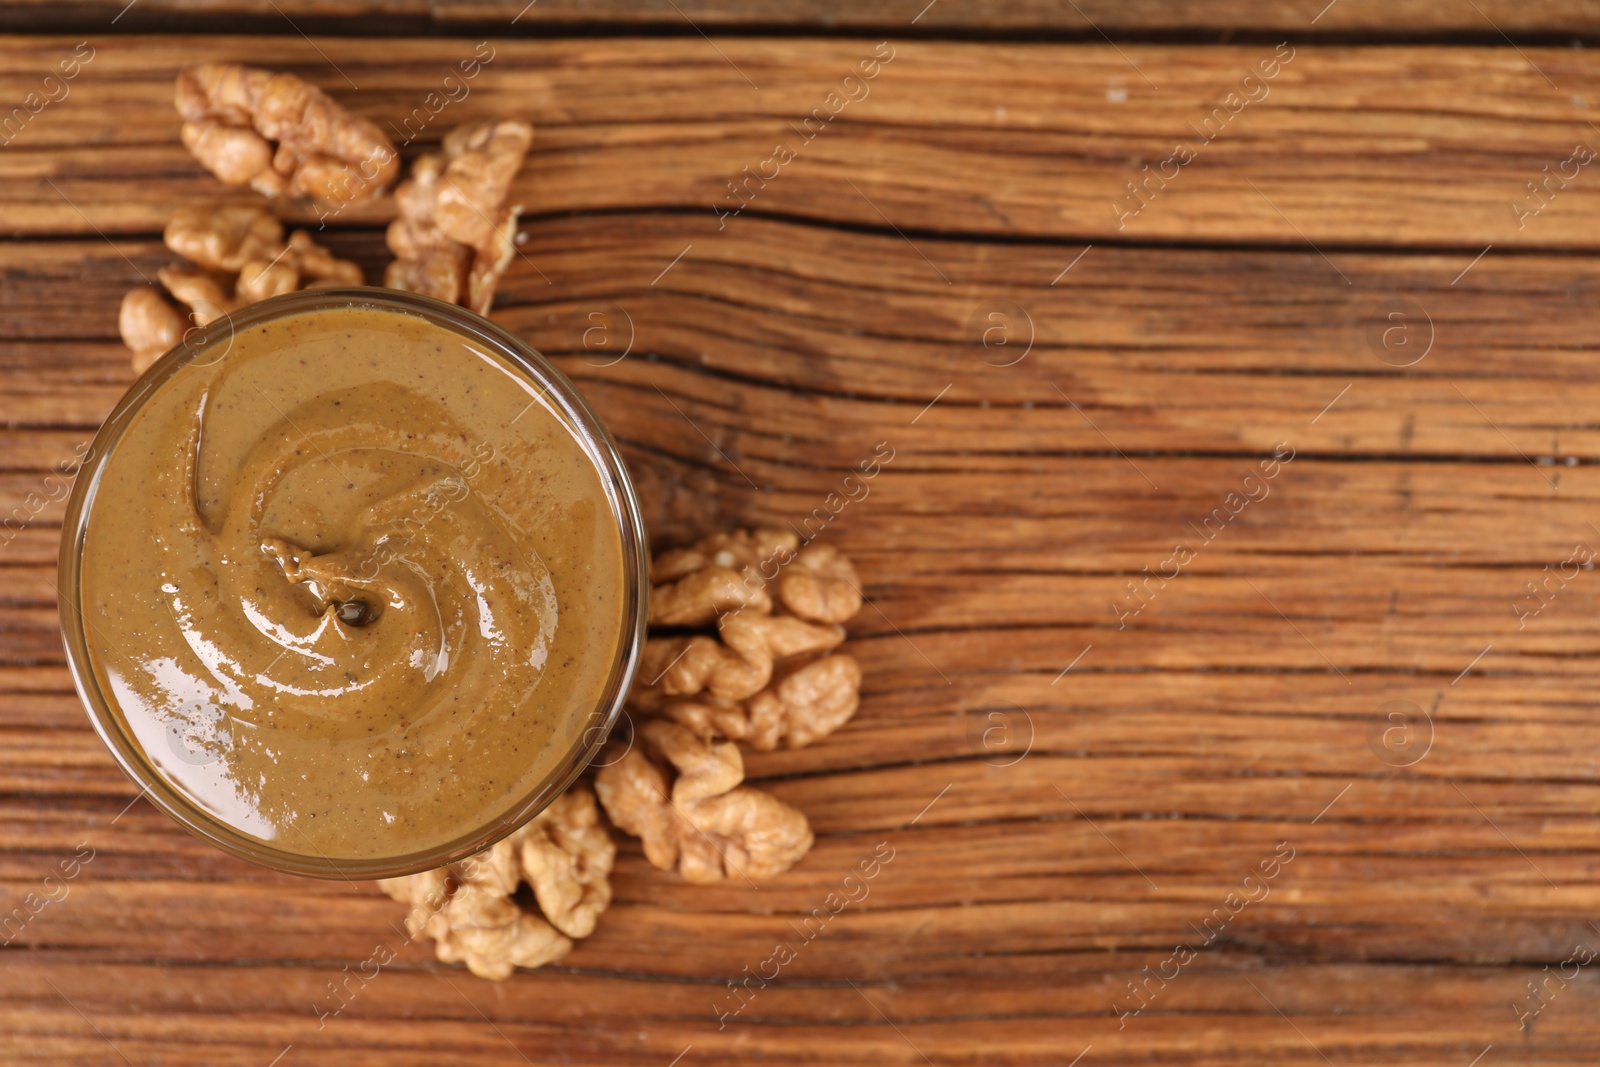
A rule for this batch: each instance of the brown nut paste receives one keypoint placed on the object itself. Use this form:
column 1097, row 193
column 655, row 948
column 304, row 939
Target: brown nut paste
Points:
column 355, row 586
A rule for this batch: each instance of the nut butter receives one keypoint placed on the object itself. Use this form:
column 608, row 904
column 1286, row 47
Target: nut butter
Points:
column 353, row 583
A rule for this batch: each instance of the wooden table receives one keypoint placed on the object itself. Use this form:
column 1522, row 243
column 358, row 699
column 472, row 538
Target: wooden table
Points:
column 1078, row 738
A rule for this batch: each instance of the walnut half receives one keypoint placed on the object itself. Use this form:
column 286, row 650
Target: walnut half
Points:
column 735, row 667
column 567, row 856
column 766, row 679
column 733, row 571
column 701, row 820
column 807, row 700
column 149, row 326
column 456, row 234
column 469, row 910
column 280, row 135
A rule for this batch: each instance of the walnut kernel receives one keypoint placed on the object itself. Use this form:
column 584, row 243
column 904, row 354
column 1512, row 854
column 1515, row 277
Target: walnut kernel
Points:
column 455, row 235
column 567, row 856
column 238, row 257
column 820, row 584
column 149, row 326
column 703, row 823
column 468, row 908
column 807, row 699
column 280, row 135
column 738, row 665
column 224, row 237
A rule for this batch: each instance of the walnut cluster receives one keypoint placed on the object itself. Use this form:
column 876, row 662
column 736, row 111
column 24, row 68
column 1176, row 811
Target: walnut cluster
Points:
column 456, row 234
column 280, row 136
column 469, row 908
column 770, row 676
column 237, row 255
column 454, row 237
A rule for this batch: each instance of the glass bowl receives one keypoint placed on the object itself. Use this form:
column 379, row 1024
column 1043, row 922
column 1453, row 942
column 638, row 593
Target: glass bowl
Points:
column 212, row 344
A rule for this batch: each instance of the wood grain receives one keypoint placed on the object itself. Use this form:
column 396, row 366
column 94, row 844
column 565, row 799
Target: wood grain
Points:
column 1031, row 141
column 1054, row 833
column 1086, row 19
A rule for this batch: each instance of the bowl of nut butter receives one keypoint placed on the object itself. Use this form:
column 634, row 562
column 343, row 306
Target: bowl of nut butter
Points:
column 352, row 583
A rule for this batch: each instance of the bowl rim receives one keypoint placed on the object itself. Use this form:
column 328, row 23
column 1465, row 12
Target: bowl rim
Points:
column 586, row 428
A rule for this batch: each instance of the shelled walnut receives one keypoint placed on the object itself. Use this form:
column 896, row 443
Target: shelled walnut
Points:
column 149, row 326
column 567, row 856
column 238, row 256
column 728, row 571
column 223, row 237
column 768, row 677
column 469, row 910
column 280, row 135
column 456, row 235
column 821, row 584
column 806, row 700
column 683, row 798
column 693, row 586
column 738, row 665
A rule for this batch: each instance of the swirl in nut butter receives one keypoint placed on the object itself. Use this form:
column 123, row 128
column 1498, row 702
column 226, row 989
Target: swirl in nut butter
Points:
column 354, row 587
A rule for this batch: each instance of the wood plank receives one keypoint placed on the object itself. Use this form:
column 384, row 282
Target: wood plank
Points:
column 1061, row 883
column 1350, row 146
column 1402, row 18
column 1371, row 18
column 1126, row 335
column 559, row 1017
